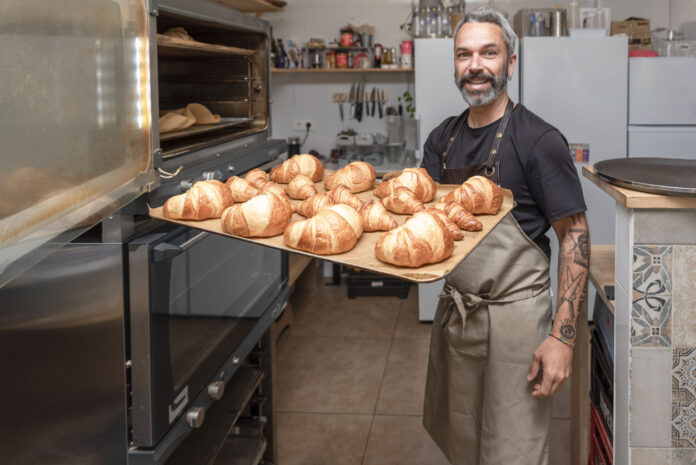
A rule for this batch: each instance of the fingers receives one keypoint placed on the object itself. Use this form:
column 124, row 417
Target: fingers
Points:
column 534, row 369
column 550, row 384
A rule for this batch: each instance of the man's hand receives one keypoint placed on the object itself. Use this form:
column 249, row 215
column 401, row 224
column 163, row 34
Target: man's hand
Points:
column 554, row 360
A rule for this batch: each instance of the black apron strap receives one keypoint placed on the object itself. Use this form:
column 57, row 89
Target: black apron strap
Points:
column 492, row 165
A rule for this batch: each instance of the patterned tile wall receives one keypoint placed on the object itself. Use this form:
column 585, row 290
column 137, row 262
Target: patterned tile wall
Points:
column 651, row 315
column 684, row 397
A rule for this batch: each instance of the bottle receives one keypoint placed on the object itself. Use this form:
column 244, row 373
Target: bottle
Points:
column 573, row 15
column 415, row 23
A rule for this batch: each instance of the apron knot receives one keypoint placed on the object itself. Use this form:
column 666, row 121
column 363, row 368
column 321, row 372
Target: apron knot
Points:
column 465, row 303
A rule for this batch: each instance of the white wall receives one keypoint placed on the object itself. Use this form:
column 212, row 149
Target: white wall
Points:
column 308, row 96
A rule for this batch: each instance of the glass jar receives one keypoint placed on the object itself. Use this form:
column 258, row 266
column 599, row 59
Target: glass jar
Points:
column 415, row 23
column 331, row 59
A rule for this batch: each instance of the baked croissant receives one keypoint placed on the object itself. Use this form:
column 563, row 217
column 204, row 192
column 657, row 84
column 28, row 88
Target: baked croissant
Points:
column 312, row 205
column 265, row 215
column 301, row 188
column 402, row 201
column 375, row 217
column 341, row 194
column 358, row 176
column 454, row 231
column 460, row 216
column 417, row 180
column 204, row 200
column 333, row 230
column 256, row 178
column 277, row 189
column 422, row 239
column 477, row 194
column 305, row 164
column 240, row 189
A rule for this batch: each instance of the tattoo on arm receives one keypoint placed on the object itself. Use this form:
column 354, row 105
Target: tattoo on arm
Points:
column 573, row 270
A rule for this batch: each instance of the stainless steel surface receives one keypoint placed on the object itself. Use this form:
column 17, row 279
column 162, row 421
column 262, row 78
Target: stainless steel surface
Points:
column 203, row 128
column 558, row 23
column 62, row 354
column 76, row 120
column 195, row 417
column 216, row 390
column 667, row 176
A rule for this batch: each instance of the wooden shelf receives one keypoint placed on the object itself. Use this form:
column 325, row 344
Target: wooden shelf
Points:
column 340, row 70
column 252, row 6
column 602, row 270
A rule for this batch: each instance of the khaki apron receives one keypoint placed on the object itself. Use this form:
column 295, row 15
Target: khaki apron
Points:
column 494, row 311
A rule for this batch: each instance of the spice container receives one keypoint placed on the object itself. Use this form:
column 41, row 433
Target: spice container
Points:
column 331, row 59
column 346, row 37
column 341, row 60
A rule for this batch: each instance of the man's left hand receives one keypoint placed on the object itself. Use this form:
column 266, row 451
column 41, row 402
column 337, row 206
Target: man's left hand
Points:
column 554, row 360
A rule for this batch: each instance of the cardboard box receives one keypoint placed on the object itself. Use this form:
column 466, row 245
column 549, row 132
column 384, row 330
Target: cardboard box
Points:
column 640, row 46
column 634, row 28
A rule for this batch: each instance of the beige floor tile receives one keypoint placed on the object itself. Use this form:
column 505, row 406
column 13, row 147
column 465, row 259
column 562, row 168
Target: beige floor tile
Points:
column 330, row 374
column 560, row 404
column 401, row 440
column 560, row 442
column 408, row 324
column 403, row 386
column 321, row 439
column 331, row 314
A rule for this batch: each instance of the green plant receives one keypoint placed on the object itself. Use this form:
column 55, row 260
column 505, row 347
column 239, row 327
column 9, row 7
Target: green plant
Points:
column 408, row 100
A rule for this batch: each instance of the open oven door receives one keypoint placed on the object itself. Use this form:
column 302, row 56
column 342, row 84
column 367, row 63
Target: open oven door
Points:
column 75, row 121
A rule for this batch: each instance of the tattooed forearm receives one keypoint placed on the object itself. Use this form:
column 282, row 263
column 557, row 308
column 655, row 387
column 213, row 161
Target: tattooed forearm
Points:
column 573, row 270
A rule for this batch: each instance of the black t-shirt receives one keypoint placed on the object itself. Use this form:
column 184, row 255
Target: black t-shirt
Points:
column 534, row 163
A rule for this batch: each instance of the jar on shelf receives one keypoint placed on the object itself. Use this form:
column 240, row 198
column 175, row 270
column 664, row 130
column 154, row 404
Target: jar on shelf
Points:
column 331, row 59
column 346, row 37
column 341, row 60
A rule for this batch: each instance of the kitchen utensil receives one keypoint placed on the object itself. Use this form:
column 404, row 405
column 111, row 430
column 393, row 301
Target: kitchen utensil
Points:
column 359, row 104
column 667, row 176
column 351, row 99
column 558, row 23
column 381, row 101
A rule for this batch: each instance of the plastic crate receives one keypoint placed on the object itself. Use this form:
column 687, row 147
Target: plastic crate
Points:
column 602, row 382
column 601, row 448
column 362, row 283
column 604, row 320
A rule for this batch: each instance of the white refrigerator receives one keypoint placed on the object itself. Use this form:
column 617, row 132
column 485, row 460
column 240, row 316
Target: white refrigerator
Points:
column 662, row 107
column 580, row 85
column 437, row 97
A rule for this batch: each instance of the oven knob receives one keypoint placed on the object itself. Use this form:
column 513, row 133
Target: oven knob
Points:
column 216, row 389
column 195, row 417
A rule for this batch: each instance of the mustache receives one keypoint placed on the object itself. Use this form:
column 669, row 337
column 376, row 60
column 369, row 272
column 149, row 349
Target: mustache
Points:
column 468, row 77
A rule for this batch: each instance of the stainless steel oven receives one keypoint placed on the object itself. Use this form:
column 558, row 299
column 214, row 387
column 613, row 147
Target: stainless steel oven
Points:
column 196, row 302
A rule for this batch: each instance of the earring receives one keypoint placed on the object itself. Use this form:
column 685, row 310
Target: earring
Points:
column 509, row 78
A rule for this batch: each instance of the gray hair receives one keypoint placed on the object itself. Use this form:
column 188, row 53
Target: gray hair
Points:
column 491, row 15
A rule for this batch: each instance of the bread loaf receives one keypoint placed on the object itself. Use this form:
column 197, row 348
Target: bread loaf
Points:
column 204, row 200
column 240, row 189
column 358, row 176
column 305, row 164
column 256, row 178
column 460, row 216
column 421, row 240
column 417, row 180
column 375, row 217
column 301, row 188
column 265, row 215
column 478, row 195
column 341, row 194
column 312, row 205
column 402, row 201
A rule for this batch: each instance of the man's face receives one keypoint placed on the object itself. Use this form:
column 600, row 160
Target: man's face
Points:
column 481, row 67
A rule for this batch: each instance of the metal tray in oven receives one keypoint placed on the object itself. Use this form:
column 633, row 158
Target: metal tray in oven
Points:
column 666, row 176
column 203, row 128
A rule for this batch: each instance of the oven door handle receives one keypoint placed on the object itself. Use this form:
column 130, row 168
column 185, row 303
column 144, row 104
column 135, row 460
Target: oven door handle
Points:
column 164, row 251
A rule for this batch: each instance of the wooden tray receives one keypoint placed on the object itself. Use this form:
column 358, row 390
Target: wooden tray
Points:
column 363, row 254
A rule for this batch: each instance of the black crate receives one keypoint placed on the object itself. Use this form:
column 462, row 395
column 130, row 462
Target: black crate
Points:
column 362, row 283
column 602, row 381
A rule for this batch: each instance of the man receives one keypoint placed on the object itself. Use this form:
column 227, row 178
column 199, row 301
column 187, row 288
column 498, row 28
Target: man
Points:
column 486, row 403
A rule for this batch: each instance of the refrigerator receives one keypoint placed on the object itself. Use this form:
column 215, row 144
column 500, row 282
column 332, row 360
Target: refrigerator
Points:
column 662, row 107
column 437, row 97
column 580, row 85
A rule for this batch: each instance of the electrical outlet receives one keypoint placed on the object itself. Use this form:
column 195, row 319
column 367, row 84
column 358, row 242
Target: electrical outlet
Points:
column 301, row 125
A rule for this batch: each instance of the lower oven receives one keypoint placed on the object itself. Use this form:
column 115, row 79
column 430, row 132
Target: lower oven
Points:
column 197, row 305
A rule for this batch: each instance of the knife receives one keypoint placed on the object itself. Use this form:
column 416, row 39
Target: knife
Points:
column 359, row 105
column 373, row 98
column 351, row 99
column 380, row 102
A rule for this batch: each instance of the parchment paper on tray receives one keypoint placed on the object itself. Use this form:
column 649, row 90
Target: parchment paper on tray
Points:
column 363, row 254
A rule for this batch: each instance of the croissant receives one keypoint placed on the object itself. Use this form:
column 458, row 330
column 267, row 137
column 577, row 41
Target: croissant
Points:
column 417, row 180
column 375, row 217
column 341, row 194
column 240, row 189
column 460, row 216
column 422, row 239
column 305, row 164
column 265, row 215
column 402, row 201
column 256, row 178
column 277, row 189
column 204, row 200
column 312, row 205
column 477, row 194
column 454, row 231
column 301, row 188
column 333, row 230
column 358, row 176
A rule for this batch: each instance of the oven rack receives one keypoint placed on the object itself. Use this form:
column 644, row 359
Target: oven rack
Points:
column 204, row 128
column 242, row 450
column 171, row 46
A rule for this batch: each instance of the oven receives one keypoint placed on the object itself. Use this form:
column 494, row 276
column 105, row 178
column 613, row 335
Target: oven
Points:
column 88, row 82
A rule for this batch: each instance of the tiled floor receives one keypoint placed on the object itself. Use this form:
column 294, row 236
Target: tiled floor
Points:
column 350, row 379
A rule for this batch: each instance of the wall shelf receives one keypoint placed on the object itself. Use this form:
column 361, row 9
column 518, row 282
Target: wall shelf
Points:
column 253, row 6
column 339, row 70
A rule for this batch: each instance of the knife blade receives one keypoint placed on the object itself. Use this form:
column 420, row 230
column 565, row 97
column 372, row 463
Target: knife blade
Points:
column 359, row 106
column 380, row 102
column 351, row 99
column 373, row 98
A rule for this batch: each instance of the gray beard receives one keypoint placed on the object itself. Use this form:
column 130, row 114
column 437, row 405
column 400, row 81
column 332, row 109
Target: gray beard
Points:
column 480, row 98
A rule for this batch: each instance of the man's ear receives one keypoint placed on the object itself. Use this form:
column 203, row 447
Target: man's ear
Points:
column 512, row 64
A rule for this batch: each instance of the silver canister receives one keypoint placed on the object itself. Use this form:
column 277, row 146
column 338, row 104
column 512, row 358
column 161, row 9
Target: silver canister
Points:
column 559, row 27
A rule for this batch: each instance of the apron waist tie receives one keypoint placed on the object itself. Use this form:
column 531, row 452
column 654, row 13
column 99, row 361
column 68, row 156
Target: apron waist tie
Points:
column 468, row 302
